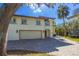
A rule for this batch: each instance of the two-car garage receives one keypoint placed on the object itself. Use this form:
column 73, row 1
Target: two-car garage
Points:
column 30, row 34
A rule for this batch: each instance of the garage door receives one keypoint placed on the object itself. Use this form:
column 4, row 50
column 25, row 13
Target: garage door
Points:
column 30, row 34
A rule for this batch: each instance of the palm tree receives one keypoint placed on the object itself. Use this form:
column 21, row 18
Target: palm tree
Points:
column 6, row 12
column 63, row 12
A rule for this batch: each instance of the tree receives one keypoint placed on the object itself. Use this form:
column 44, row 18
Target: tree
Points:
column 63, row 12
column 6, row 13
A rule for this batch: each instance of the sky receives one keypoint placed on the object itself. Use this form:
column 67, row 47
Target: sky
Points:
column 44, row 11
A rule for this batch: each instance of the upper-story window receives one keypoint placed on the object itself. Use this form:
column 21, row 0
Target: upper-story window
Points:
column 24, row 21
column 38, row 22
column 47, row 23
column 13, row 21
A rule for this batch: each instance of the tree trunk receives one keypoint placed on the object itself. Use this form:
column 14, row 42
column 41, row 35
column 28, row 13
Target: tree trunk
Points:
column 8, row 12
column 64, row 27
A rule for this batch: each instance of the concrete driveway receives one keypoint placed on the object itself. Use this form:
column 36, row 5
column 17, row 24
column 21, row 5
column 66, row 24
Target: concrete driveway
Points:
column 41, row 45
column 70, row 50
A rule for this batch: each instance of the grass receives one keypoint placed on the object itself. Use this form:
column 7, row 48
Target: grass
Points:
column 38, row 54
column 31, row 54
column 26, row 53
column 72, row 38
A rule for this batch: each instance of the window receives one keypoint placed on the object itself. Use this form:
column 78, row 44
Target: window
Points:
column 38, row 22
column 24, row 21
column 47, row 23
column 13, row 21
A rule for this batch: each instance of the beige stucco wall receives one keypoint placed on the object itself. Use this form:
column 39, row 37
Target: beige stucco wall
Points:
column 51, row 28
column 31, row 25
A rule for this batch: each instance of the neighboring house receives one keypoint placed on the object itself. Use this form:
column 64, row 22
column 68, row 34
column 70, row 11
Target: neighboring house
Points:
column 74, row 25
column 27, row 27
column 54, row 27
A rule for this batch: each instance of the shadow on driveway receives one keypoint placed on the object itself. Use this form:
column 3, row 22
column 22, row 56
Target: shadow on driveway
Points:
column 39, row 45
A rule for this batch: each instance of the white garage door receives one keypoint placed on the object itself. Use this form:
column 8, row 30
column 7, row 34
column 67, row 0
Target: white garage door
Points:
column 30, row 34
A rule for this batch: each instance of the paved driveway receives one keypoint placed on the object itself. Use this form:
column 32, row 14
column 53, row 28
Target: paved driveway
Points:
column 70, row 50
column 40, row 45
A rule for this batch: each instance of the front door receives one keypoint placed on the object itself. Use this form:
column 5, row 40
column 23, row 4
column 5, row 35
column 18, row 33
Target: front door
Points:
column 47, row 33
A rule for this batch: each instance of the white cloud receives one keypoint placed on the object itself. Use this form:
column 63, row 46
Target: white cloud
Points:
column 42, row 5
column 37, row 10
column 32, row 6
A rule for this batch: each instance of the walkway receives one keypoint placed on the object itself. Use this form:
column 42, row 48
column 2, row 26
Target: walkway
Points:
column 65, row 40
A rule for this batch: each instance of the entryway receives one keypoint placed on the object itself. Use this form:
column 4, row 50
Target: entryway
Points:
column 47, row 33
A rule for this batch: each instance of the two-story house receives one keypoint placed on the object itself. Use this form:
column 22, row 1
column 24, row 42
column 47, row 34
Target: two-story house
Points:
column 27, row 27
column 74, row 25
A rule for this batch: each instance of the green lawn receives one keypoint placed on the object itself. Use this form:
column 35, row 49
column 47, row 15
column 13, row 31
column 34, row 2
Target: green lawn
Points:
column 38, row 54
column 26, row 53
column 71, row 38
column 32, row 54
